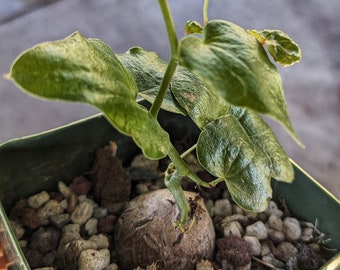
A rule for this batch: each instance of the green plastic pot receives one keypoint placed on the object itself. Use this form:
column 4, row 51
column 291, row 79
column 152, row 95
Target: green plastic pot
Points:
column 35, row 163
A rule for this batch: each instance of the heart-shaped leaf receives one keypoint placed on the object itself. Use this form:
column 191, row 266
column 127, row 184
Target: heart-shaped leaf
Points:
column 283, row 49
column 265, row 140
column 233, row 63
column 225, row 150
column 204, row 106
column 86, row 70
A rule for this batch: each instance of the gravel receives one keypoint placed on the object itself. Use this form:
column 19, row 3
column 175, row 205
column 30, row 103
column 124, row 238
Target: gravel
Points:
column 76, row 232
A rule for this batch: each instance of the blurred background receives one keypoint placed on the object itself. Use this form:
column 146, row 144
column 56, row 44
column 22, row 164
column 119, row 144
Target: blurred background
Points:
column 312, row 87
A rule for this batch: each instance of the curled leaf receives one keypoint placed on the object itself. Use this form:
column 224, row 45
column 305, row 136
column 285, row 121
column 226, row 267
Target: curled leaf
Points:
column 281, row 47
column 193, row 27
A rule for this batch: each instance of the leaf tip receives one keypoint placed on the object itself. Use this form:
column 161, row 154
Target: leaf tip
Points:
column 296, row 139
column 7, row 76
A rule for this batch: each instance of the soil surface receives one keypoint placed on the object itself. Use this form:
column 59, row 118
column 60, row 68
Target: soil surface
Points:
column 312, row 87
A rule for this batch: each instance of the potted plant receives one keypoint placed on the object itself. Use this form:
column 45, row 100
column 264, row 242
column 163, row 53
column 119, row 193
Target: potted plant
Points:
column 222, row 81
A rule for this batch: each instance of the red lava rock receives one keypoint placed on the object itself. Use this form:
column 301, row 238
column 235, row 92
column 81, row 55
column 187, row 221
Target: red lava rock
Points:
column 106, row 225
column 30, row 218
column 72, row 201
column 112, row 183
column 235, row 250
column 307, row 259
column 80, row 185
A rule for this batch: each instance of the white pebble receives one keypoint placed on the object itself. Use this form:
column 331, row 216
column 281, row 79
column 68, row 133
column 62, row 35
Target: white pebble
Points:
column 82, row 212
column 307, row 235
column 112, row 266
column 38, row 200
column 51, row 208
column 91, row 259
column 100, row 212
column 269, row 258
column 250, row 215
column 140, row 161
column 59, row 221
column 286, row 250
column 237, row 209
column 63, row 204
column 291, row 228
column 204, row 265
column 63, row 189
column 257, row 229
column 78, row 246
column 91, row 226
column 233, row 228
column 84, row 198
column 141, row 189
column 236, row 217
column 209, row 204
column 101, row 240
column 254, row 244
column 276, row 236
column 273, row 209
column 222, row 208
column 275, row 223
column 69, row 233
column 265, row 249
column 292, row 264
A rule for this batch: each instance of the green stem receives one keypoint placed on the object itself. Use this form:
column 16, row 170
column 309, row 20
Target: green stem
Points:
column 216, row 181
column 183, row 168
column 170, row 27
column 187, row 152
column 173, row 180
column 178, row 162
column 171, row 68
column 205, row 11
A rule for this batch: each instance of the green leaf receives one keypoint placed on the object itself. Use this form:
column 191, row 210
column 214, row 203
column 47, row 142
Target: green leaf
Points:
column 265, row 140
column 193, row 27
column 201, row 104
column 86, row 70
column 148, row 70
column 225, row 150
column 205, row 106
column 281, row 47
column 233, row 63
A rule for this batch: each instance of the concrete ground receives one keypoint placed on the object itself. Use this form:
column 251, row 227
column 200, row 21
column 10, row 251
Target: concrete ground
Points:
column 311, row 86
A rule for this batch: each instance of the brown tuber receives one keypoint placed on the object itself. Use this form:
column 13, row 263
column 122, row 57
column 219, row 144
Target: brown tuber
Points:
column 145, row 233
